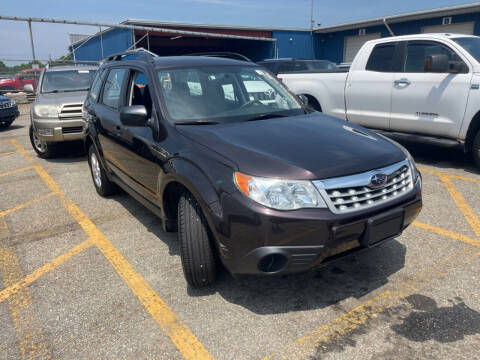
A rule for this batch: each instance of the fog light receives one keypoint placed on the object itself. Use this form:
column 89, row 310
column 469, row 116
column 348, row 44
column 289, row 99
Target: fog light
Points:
column 45, row 132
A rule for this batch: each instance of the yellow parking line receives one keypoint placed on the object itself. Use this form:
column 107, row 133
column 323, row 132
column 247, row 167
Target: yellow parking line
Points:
column 440, row 173
column 344, row 324
column 462, row 204
column 181, row 336
column 24, row 205
column 447, row 233
column 31, row 341
column 15, row 171
column 29, row 279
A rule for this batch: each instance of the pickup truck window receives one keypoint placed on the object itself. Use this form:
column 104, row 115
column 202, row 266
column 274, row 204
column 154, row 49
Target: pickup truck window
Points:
column 418, row 51
column 471, row 44
column 381, row 58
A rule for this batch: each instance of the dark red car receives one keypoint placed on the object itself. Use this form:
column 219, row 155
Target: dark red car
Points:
column 17, row 82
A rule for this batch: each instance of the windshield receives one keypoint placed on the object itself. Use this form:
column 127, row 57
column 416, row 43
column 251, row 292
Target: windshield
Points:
column 68, row 80
column 223, row 94
column 471, row 44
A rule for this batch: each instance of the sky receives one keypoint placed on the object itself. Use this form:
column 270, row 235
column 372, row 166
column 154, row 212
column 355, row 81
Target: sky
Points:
column 51, row 40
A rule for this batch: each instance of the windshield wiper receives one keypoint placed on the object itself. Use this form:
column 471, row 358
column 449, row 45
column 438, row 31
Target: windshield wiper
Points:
column 266, row 116
column 196, row 123
column 62, row 91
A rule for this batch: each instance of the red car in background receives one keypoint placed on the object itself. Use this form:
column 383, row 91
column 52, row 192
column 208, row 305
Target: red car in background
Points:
column 18, row 81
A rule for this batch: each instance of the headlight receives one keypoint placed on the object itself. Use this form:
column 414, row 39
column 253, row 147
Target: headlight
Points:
column 45, row 111
column 280, row 194
column 12, row 103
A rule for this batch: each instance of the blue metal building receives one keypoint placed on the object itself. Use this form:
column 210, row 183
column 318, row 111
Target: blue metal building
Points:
column 337, row 43
column 340, row 43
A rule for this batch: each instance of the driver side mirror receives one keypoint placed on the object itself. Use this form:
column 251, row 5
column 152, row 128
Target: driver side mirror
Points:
column 28, row 88
column 303, row 99
column 135, row 115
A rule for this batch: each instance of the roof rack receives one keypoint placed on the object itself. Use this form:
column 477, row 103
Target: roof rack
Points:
column 222, row 54
column 141, row 54
column 59, row 63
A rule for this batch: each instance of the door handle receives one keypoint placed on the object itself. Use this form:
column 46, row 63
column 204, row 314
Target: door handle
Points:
column 118, row 129
column 402, row 82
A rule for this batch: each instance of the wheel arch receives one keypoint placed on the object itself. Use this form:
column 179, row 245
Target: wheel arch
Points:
column 187, row 177
column 473, row 128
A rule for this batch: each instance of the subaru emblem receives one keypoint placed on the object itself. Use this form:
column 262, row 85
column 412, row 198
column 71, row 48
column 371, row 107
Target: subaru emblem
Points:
column 378, row 180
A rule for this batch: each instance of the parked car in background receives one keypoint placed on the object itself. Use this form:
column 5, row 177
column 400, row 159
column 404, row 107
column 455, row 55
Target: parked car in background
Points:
column 17, row 82
column 294, row 65
column 422, row 87
column 264, row 187
column 8, row 111
column 56, row 115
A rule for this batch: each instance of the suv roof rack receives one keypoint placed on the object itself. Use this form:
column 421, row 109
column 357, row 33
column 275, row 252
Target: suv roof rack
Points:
column 222, row 54
column 59, row 63
column 141, row 53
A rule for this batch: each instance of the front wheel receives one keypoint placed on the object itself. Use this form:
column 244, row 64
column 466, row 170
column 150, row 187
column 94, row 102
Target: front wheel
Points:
column 5, row 123
column 476, row 150
column 196, row 251
column 42, row 148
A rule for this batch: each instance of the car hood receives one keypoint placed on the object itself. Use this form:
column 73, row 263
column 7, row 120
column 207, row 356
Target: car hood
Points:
column 4, row 99
column 61, row 99
column 314, row 146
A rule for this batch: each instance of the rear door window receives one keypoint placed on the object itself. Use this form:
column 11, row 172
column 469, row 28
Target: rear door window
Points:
column 113, row 88
column 383, row 58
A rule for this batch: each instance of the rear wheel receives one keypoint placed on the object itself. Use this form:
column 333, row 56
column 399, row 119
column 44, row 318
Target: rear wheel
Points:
column 103, row 185
column 476, row 150
column 196, row 251
column 42, row 148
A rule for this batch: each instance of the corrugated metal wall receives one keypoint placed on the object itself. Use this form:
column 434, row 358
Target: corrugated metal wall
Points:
column 330, row 46
column 114, row 41
column 297, row 44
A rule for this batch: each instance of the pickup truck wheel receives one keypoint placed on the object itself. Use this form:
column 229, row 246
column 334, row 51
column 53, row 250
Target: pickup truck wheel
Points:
column 103, row 185
column 196, row 252
column 42, row 148
column 476, row 150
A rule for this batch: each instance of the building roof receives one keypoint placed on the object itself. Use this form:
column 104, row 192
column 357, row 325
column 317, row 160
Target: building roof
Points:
column 416, row 15
column 160, row 23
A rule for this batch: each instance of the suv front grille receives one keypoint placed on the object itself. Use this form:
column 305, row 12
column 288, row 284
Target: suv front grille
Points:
column 356, row 192
column 6, row 105
column 71, row 112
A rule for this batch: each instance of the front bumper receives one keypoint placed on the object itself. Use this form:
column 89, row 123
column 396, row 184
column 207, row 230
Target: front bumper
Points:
column 9, row 113
column 255, row 240
column 61, row 130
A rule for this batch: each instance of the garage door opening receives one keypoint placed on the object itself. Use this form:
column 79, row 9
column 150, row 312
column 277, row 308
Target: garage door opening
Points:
column 172, row 45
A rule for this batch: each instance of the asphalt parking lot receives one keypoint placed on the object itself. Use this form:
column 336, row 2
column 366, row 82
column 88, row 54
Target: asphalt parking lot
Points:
column 84, row 277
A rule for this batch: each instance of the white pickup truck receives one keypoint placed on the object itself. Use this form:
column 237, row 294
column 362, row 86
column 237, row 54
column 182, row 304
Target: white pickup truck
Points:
column 421, row 87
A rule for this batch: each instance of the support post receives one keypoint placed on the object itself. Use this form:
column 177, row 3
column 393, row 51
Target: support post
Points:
column 148, row 41
column 101, row 41
column 31, row 39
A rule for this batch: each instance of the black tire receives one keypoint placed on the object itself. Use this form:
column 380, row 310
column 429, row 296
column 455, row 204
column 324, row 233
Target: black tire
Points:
column 5, row 123
column 198, row 257
column 476, row 150
column 102, row 183
column 44, row 150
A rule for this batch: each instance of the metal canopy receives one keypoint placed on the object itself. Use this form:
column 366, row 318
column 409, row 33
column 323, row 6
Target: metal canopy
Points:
column 132, row 27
